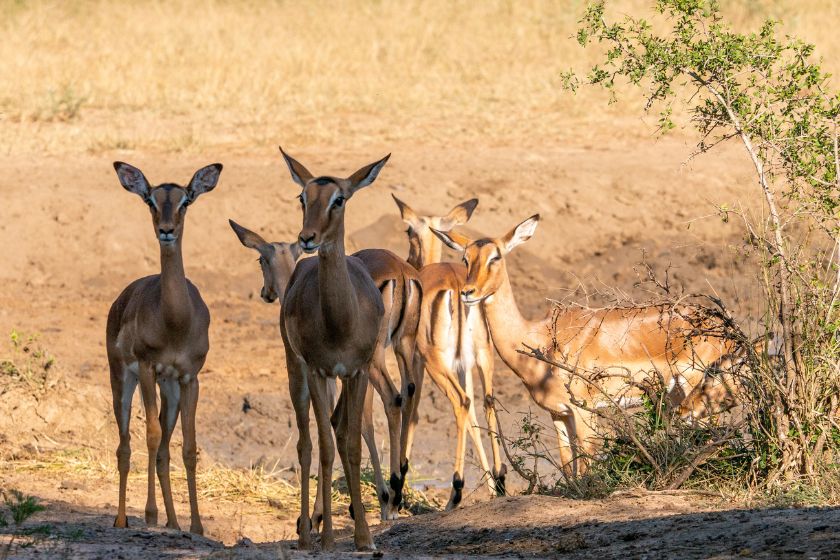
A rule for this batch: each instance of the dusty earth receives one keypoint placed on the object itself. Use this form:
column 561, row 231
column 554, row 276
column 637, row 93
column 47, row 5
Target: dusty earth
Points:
column 72, row 238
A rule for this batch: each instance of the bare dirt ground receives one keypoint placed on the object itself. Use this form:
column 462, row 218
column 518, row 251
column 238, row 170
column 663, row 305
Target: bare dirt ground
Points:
column 72, row 238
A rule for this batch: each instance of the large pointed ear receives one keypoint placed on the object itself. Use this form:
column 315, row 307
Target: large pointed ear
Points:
column 521, row 233
column 406, row 213
column 295, row 250
column 204, row 180
column 300, row 174
column 459, row 215
column 246, row 236
column 366, row 175
column 132, row 179
column 453, row 240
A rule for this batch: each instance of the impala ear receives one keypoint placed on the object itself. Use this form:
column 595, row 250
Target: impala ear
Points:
column 521, row 233
column 300, row 174
column 295, row 250
column 132, row 179
column 366, row 175
column 453, row 240
column 246, row 236
column 204, row 180
column 459, row 215
column 406, row 213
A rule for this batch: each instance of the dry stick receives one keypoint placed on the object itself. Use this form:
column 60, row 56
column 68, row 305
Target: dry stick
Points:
column 540, row 355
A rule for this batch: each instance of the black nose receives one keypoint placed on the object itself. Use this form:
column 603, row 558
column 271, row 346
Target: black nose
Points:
column 166, row 231
column 305, row 240
column 469, row 292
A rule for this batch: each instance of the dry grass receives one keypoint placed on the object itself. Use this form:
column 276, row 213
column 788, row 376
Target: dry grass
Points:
column 184, row 76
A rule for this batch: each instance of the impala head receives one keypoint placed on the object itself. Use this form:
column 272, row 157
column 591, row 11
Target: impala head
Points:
column 485, row 258
column 277, row 261
column 424, row 246
column 323, row 200
column 168, row 202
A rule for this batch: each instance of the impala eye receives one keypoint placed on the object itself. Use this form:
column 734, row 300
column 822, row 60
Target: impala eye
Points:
column 338, row 202
column 300, row 199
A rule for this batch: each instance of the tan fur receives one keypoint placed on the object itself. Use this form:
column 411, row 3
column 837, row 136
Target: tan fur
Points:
column 616, row 341
column 157, row 334
column 452, row 342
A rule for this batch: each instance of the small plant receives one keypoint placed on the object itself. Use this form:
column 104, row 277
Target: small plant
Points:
column 28, row 364
column 22, row 507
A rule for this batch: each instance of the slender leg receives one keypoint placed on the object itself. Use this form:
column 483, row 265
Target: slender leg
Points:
column 565, row 426
column 123, row 384
column 451, row 387
column 170, row 396
column 370, row 441
column 317, row 510
column 484, row 362
column 474, row 431
column 357, row 388
column 326, row 451
column 392, row 401
column 189, row 404
column 411, row 391
column 153, row 436
column 299, row 392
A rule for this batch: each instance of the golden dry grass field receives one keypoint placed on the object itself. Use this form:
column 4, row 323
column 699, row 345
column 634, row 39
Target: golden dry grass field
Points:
column 467, row 97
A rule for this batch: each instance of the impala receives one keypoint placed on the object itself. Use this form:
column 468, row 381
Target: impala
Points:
column 452, row 342
column 624, row 345
column 331, row 318
column 157, row 334
column 399, row 286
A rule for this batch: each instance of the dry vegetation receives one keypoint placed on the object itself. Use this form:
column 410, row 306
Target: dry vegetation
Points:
column 188, row 76
column 476, row 84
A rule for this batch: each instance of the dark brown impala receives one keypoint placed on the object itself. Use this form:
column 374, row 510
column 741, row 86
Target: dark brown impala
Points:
column 399, row 285
column 157, row 334
column 330, row 324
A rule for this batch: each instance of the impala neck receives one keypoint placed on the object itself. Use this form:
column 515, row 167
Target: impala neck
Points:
column 174, row 299
column 511, row 331
column 339, row 305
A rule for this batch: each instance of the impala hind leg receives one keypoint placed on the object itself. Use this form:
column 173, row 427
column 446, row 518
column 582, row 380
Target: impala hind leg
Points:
column 392, row 402
column 153, row 436
column 412, row 388
column 189, row 404
column 123, row 385
column 170, row 397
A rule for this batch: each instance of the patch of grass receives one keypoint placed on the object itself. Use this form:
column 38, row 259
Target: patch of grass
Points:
column 27, row 363
column 21, row 506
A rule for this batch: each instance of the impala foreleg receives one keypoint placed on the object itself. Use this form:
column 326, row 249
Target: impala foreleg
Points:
column 123, row 385
column 484, row 363
column 370, row 441
column 299, row 392
column 153, row 436
column 170, row 396
column 189, row 404
column 474, row 431
column 326, row 452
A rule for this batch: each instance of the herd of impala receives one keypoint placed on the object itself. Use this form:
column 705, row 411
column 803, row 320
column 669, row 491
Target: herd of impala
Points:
column 339, row 315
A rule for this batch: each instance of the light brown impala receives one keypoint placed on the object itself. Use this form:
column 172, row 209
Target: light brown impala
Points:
column 617, row 342
column 452, row 342
column 331, row 318
column 157, row 334
column 399, row 285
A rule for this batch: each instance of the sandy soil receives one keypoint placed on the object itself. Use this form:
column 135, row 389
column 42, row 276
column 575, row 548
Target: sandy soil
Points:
column 72, row 238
